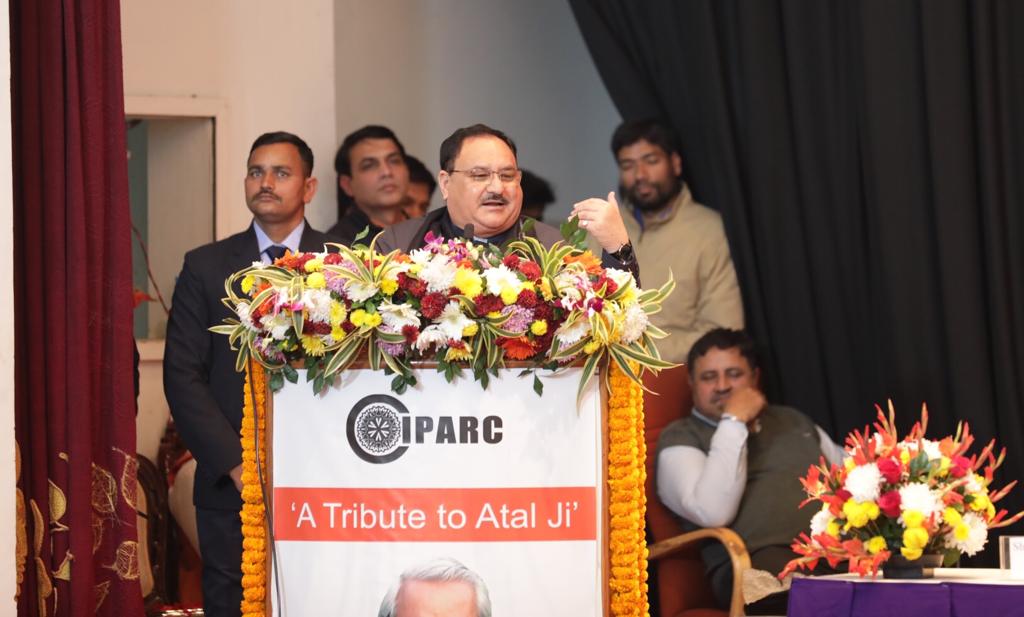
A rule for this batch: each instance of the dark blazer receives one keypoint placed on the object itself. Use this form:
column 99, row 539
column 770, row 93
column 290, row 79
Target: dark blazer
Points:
column 200, row 382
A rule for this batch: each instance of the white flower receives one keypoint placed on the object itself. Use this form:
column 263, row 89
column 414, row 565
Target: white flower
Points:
column 431, row 336
column 501, row 277
column 397, row 316
column 318, row 304
column 438, row 273
column 919, row 497
column 976, row 537
column 931, row 448
column 358, row 291
column 863, row 482
column 622, row 278
column 570, row 334
column 634, row 323
column 975, row 484
column 278, row 324
column 420, row 256
column 452, row 322
column 243, row 316
column 820, row 521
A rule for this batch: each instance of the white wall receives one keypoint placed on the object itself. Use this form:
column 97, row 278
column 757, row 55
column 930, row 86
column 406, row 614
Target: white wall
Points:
column 427, row 68
column 8, row 574
column 271, row 63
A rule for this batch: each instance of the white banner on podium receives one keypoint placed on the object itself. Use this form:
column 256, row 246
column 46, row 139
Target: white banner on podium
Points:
column 368, row 483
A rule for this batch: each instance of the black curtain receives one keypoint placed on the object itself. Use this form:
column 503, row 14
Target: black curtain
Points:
column 868, row 160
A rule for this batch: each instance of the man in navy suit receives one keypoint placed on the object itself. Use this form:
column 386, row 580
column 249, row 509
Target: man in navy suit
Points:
column 202, row 387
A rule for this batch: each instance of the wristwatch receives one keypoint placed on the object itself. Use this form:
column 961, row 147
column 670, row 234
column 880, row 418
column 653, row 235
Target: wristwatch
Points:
column 625, row 254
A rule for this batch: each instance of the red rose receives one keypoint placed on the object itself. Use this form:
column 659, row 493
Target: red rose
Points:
column 432, row 304
column 889, row 504
column 891, row 469
column 961, row 466
column 511, row 261
column 530, row 270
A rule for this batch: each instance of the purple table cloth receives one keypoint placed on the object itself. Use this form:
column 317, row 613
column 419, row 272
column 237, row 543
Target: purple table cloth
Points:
column 824, row 597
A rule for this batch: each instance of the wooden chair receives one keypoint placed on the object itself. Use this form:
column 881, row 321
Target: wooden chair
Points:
column 682, row 587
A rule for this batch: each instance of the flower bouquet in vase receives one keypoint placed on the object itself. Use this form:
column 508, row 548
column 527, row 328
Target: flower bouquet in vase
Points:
column 902, row 506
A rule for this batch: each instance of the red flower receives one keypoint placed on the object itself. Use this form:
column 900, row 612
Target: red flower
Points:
column 519, row 348
column 432, row 304
column 889, row 504
column 411, row 333
column 527, row 298
column 489, row 303
column 961, row 466
column 315, row 327
column 348, row 327
column 332, row 259
column 530, row 270
column 511, row 261
column 890, row 469
column 543, row 310
column 415, row 287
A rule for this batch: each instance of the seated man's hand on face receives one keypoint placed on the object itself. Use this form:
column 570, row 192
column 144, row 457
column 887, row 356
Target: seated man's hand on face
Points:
column 601, row 218
column 745, row 404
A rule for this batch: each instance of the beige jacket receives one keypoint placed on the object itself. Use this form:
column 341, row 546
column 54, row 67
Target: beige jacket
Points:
column 689, row 241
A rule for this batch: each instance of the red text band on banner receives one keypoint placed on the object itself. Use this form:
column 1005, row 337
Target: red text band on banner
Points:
column 435, row 514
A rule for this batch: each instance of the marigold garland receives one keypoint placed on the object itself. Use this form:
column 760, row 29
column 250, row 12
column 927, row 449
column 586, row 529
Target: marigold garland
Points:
column 627, row 475
column 254, row 530
column 627, row 500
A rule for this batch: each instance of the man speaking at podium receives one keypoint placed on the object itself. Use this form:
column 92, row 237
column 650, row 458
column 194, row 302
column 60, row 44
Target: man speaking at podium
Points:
column 479, row 181
column 202, row 387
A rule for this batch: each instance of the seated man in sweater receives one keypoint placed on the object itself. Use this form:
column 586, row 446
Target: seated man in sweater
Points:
column 736, row 461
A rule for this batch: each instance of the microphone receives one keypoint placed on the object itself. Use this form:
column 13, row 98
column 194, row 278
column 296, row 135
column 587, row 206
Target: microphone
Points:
column 467, row 232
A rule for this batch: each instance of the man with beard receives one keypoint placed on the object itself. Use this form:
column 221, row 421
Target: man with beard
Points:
column 673, row 233
column 202, row 387
column 735, row 462
column 479, row 181
column 373, row 179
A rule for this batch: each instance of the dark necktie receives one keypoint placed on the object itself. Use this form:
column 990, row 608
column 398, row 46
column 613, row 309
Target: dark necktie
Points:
column 275, row 252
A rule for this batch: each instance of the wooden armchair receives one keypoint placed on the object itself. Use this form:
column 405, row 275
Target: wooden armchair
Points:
column 682, row 587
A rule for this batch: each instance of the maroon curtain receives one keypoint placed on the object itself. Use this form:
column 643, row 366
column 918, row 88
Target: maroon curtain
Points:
column 74, row 404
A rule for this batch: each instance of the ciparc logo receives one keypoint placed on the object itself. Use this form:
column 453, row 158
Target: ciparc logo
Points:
column 380, row 429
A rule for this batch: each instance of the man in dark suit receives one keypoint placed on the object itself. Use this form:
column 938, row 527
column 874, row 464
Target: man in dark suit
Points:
column 202, row 387
column 479, row 180
column 373, row 180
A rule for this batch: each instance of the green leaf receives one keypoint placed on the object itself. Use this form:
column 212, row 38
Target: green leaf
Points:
column 362, row 234
column 588, row 372
column 950, row 557
column 290, row 373
column 398, row 384
column 318, row 383
column 525, row 372
column 538, row 387
column 276, row 381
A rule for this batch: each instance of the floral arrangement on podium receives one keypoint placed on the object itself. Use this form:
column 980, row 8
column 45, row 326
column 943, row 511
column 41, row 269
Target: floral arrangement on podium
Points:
column 461, row 306
column 453, row 302
column 901, row 500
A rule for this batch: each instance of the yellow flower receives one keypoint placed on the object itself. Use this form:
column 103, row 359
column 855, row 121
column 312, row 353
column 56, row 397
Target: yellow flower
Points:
column 961, row 530
column 915, row 537
column 545, row 289
column 849, row 463
column 911, row 553
column 951, row 516
column 358, row 318
column 372, row 320
column 529, row 286
column 629, row 296
column 980, row 502
column 389, row 287
column 470, row 330
column 312, row 345
column 247, row 283
column 944, row 464
column 912, row 518
column 337, row 333
column 904, row 456
column 509, row 295
column 591, row 347
column 454, row 354
column 469, row 283
column 494, row 315
column 858, row 514
column 314, row 265
column 338, row 313
column 415, row 269
column 875, row 545
column 833, row 529
column 539, row 327
column 316, row 280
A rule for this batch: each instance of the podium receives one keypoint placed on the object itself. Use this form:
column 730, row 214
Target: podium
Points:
column 364, row 484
